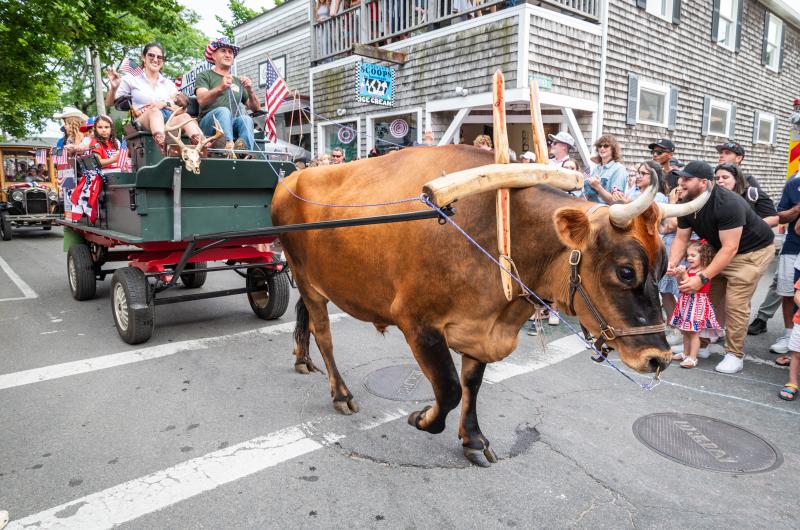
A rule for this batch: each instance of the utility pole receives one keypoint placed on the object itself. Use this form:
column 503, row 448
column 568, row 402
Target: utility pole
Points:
column 94, row 60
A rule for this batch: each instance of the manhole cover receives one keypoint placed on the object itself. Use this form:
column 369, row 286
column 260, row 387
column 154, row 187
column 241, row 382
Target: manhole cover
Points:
column 706, row 443
column 400, row 383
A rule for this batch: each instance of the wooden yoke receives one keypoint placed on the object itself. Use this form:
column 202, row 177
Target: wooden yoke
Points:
column 503, row 205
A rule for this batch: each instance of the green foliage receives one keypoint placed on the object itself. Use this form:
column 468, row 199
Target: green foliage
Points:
column 241, row 14
column 44, row 43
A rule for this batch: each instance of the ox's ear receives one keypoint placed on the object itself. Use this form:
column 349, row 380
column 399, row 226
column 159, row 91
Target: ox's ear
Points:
column 648, row 220
column 573, row 227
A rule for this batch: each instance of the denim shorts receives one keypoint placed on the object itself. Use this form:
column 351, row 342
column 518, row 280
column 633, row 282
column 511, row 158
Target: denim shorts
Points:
column 166, row 113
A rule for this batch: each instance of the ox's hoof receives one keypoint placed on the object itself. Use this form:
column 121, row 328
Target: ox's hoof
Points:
column 481, row 457
column 346, row 407
column 416, row 416
column 305, row 366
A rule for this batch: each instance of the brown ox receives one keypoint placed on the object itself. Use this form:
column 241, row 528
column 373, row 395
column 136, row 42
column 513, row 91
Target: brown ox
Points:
column 441, row 292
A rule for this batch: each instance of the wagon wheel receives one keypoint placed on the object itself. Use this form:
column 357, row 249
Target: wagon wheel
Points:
column 270, row 296
column 193, row 280
column 133, row 309
column 5, row 226
column 80, row 272
column 47, row 226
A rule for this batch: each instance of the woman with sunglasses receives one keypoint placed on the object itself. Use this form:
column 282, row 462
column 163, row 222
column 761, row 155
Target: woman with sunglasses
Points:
column 609, row 175
column 152, row 96
column 730, row 177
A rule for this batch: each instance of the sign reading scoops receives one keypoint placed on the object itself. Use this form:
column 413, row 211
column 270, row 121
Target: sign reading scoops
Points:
column 375, row 84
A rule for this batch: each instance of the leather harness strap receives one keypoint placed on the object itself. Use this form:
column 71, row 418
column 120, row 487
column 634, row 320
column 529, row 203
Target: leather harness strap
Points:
column 607, row 332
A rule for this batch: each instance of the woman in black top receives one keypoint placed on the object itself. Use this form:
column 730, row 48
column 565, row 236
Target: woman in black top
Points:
column 730, row 177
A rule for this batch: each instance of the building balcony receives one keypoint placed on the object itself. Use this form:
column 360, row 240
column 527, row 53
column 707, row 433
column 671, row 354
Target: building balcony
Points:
column 379, row 22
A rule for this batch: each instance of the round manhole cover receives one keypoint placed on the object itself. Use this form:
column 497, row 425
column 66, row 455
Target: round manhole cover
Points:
column 706, row 443
column 400, row 383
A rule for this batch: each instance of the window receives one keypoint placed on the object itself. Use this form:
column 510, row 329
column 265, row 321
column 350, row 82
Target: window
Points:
column 344, row 134
column 764, row 128
column 773, row 39
column 660, row 8
column 652, row 104
column 727, row 23
column 391, row 133
column 719, row 118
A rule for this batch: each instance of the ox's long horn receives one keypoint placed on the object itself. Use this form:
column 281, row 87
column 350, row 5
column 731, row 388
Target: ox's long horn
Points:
column 679, row 210
column 621, row 215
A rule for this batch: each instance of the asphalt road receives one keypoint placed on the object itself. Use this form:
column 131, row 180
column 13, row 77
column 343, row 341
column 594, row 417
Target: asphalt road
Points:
column 208, row 426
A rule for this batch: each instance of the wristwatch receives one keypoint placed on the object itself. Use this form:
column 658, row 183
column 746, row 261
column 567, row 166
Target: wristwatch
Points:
column 703, row 278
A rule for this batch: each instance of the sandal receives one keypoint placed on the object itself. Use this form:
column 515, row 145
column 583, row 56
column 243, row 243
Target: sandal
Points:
column 679, row 356
column 688, row 362
column 788, row 392
column 783, row 360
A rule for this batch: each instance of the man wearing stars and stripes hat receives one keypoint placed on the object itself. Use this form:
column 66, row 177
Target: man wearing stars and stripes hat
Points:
column 223, row 96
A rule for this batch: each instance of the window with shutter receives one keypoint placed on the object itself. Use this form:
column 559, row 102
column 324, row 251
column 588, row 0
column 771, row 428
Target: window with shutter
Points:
column 718, row 118
column 653, row 104
column 727, row 23
column 773, row 38
column 661, row 8
column 764, row 128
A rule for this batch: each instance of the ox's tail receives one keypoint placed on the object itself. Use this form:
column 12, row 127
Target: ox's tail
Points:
column 302, row 340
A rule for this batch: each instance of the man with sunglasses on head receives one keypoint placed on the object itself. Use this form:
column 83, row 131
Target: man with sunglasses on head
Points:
column 221, row 94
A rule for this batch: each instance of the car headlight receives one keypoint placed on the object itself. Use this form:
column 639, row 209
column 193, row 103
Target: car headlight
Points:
column 16, row 196
column 52, row 195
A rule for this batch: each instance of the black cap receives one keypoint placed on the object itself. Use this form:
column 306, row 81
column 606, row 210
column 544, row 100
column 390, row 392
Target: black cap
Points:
column 675, row 162
column 696, row 169
column 664, row 143
column 733, row 147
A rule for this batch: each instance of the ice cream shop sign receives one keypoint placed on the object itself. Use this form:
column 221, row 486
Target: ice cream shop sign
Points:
column 375, row 84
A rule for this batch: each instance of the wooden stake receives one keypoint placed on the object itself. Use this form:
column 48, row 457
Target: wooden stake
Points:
column 503, row 204
column 539, row 139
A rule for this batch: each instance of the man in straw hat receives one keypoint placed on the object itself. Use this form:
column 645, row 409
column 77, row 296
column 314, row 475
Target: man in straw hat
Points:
column 220, row 95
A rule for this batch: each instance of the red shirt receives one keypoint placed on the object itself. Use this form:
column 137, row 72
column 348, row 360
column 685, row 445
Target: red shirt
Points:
column 107, row 150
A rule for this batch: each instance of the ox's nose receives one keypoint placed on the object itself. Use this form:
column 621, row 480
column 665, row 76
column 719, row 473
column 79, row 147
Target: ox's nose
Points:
column 657, row 363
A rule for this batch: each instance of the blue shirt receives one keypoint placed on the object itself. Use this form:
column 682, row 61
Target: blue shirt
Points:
column 790, row 197
column 612, row 175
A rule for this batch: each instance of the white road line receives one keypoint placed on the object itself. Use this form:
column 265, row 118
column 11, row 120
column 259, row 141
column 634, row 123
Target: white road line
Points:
column 19, row 282
column 57, row 371
column 156, row 491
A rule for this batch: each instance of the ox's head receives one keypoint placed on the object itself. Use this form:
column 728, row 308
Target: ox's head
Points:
column 621, row 263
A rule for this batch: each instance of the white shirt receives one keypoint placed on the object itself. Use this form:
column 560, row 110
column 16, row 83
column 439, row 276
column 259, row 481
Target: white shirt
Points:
column 558, row 163
column 142, row 91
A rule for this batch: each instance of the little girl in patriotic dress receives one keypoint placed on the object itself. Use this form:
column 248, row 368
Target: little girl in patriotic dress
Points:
column 694, row 312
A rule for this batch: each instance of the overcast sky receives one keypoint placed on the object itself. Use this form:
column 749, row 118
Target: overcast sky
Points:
column 208, row 8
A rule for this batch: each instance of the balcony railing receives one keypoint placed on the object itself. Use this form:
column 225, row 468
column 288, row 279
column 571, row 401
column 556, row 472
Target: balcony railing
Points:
column 378, row 22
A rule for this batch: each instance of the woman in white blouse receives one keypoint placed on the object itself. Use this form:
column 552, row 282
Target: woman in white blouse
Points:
column 152, row 96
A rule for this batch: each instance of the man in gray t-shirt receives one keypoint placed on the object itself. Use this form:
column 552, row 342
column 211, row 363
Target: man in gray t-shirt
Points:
column 222, row 95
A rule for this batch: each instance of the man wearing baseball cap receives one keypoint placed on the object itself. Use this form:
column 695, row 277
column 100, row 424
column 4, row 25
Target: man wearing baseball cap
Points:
column 560, row 145
column 662, row 151
column 732, row 152
column 220, row 95
column 743, row 242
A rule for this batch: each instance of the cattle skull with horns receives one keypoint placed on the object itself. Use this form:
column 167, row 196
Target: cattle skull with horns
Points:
column 191, row 155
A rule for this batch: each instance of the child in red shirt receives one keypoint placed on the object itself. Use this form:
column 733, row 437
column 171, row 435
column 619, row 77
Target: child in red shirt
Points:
column 107, row 148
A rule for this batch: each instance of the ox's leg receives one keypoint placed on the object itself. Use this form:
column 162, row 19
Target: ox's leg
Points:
column 433, row 356
column 476, row 446
column 302, row 338
column 320, row 326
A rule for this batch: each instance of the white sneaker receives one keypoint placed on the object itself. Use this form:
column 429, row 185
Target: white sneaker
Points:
column 674, row 338
column 553, row 319
column 782, row 346
column 3, row 518
column 703, row 353
column 678, row 348
column 730, row 364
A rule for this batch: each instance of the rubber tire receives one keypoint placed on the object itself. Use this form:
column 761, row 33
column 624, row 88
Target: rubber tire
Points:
column 131, row 283
column 83, row 285
column 47, row 227
column 5, row 227
column 195, row 279
column 277, row 289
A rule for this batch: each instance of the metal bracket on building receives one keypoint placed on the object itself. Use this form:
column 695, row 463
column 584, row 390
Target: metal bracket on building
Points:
column 176, row 203
column 379, row 54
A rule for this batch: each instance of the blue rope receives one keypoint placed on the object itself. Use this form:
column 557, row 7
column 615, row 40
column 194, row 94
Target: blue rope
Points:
column 647, row 386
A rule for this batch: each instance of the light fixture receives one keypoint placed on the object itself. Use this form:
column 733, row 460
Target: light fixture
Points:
column 341, row 112
column 461, row 91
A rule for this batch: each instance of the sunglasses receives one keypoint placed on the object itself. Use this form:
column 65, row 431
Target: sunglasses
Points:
column 658, row 152
column 155, row 57
column 603, row 146
column 337, row 156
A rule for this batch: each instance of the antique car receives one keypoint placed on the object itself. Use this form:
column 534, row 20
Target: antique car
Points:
column 29, row 192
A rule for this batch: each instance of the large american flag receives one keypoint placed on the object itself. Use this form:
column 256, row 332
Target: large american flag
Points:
column 276, row 93
column 129, row 66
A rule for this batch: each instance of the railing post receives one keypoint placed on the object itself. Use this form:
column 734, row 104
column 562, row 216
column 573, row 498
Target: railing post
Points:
column 363, row 22
column 312, row 16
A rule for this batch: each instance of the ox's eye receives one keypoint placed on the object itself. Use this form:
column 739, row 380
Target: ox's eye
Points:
column 626, row 274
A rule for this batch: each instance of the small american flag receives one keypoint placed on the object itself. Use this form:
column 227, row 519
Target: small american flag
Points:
column 129, row 66
column 276, row 93
column 41, row 156
column 60, row 157
column 122, row 160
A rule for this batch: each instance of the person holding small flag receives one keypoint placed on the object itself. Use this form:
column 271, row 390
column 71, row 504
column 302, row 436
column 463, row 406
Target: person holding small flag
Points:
column 221, row 95
column 152, row 95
